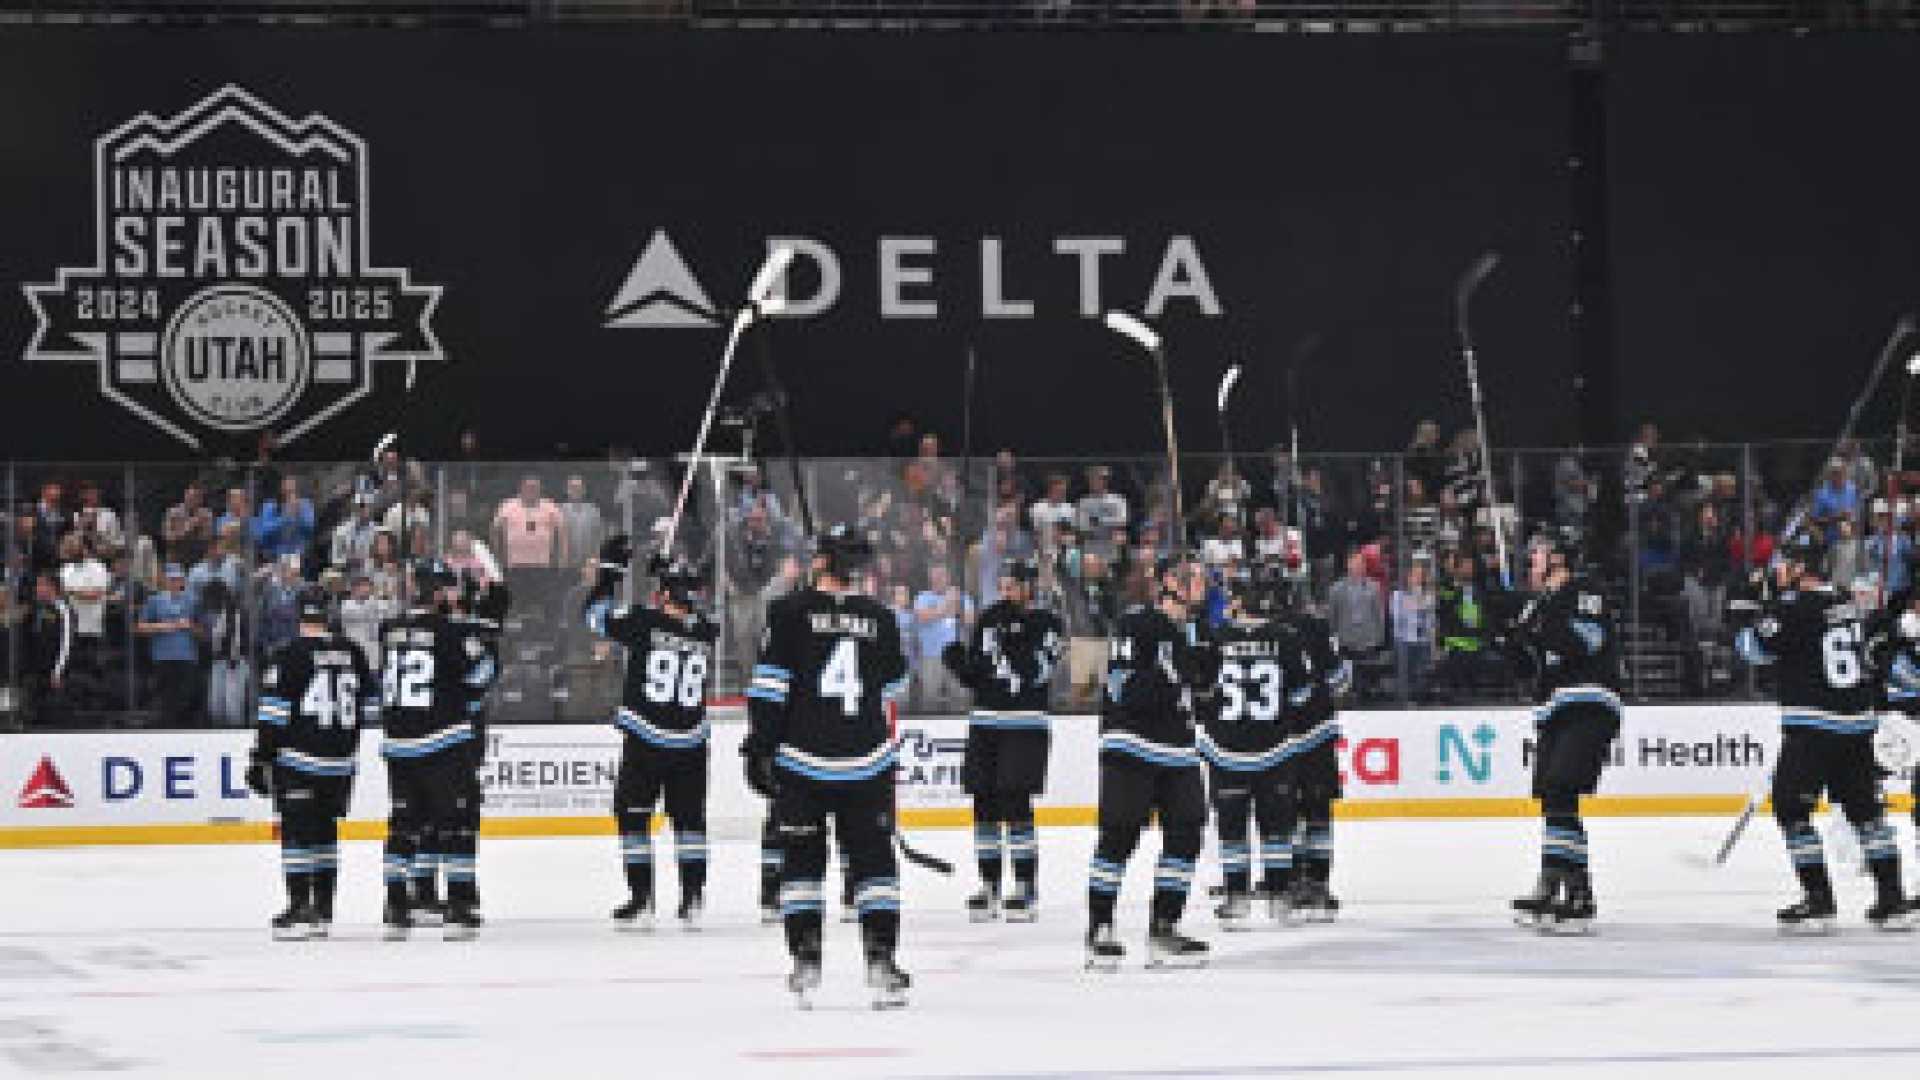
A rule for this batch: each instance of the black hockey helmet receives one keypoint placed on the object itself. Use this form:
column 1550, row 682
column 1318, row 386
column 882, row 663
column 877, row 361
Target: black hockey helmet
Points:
column 681, row 583
column 1802, row 549
column 1264, row 588
column 430, row 576
column 316, row 606
column 845, row 550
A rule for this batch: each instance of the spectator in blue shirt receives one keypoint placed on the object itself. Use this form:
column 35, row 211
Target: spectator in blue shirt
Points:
column 285, row 525
column 280, row 604
column 938, row 612
column 166, row 621
column 1837, row 497
column 239, row 514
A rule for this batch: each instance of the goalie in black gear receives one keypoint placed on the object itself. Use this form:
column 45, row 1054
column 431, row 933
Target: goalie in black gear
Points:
column 1157, row 661
column 1244, row 740
column 1567, row 637
column 663, row 714
column 315, row 693
column 1008, row 664
column 821, row 746
column 434, row 666
column 1815, row 640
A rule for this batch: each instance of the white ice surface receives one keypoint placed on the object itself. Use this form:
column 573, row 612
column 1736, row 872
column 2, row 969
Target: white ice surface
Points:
column 157, row 961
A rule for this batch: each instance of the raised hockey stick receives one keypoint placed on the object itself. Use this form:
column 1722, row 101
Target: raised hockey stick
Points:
column 1903, row 327
column 1140, row 334
column 758, row 293
column 1220, row 398
column 1894, row 479
column 1463, row 291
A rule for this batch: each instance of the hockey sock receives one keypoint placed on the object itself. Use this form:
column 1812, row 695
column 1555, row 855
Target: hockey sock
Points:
column 770, row 859
column 986, row 852
column 1172, row 877
column 1236, row 863
column 1276, row 861
column 1103, row 887
column 423, row 871
column 397, row 859
column 1881, row 849
column 690, row 853
column 1808, row 857
column 1315, row 855
column 1023, row 850
column 636, row 852
column 296, row 865
column 1563, row 843
column 878, row 902
column 800, row 912
column 463, row 885
column 326, row 865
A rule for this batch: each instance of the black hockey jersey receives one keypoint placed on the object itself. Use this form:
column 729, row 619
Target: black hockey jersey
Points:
column 1570, row 638
column 1263, row 680
column 315, row 692
column 829, row 662
column 1154, row 667
column 669, row 665
column 1815, row 641
column 1009, row 666
column 1313, row 719
column 434, row 668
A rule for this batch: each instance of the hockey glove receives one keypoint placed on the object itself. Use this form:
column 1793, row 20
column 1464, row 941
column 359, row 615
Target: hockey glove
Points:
column 758, row 762
column 259, row 781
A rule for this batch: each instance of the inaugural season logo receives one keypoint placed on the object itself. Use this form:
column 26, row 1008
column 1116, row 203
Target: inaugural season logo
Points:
column 232, row 288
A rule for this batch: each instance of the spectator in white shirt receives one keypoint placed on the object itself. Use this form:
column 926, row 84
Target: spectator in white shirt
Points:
column 361, row 613
column 1225, row 546
column 581, row 520
column 1413, row 621
column 98, row 521
column 353, row 538
column 85, row 583
column 1051, row 509
column 1101, row 510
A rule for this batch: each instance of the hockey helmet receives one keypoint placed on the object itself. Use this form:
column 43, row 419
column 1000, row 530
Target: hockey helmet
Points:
column 681, row 583
column 1264, row 588
column 315, row 605
column 844, row 549
column 1802, row 549
column 430, row 576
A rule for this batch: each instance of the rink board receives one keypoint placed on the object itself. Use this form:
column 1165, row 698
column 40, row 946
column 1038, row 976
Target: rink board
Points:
column 186, row 787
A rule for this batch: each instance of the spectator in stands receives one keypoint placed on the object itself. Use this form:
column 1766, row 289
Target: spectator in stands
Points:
column 1008, row 485
column 1750, row 551
column 1052, row 509
column 1642, row 470
column 581, row 520
column 785, row 581
column 167, row 623
column 186, row 532
column 1318, row 529
column 1092, row 598
column 48, row 647
column 754, row 555
column 225, row 561
column 225, row 623
column 1413, row 625
column 1706, row 565
column 1898, row 574
column 939, row 613
column 1101, row 510
column 1357, row 612
column 97, row 523
column 1269, row 539
column 361, row 614
column 353, row 538
column 85, row 583
column 1573, row 491
column 1426, row 459
column 529, row 529
column 1462, row 622
column 1837, row 497
column 1844, row 565
column 279, row 592
column 1005, row 540
column 1224, row 546
column 383, row 566
column 1226, row 496
column 469, row 557
column 239, row 513
column 50, row 522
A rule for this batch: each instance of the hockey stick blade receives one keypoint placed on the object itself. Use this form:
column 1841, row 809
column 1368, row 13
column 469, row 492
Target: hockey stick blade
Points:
column 1127, row 326
column 381, row 446
column 1476, row 274
column 920, row 858
column 1227, row 383
column 776, row 265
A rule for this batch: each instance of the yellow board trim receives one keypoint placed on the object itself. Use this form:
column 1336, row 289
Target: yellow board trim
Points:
column 947, row 817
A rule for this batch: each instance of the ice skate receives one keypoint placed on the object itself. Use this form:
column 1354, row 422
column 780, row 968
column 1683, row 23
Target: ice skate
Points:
column 1024, row 905
column 397, row 919
column 804, row 980
column 884, row 977
column 1104, row 951
column 1573, row 914
column 691, row 908
column 1891, row 914
column 1235, row 911
column 983, row 906
column 634, row 916
column 1168, row 948
column 297, row 923
column 1812, row 915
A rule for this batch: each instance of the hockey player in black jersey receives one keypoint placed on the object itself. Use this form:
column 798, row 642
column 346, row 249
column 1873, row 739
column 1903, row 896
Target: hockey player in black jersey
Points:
column 1244, row 740
column 1814, row 638
column 1567, row 637
column 1901, row 661
column 1008, row 664
column 663, row 716
column 433, row 664
column 821, row 746
column 315, row 692
column 1313, row 765
column 1158, row 659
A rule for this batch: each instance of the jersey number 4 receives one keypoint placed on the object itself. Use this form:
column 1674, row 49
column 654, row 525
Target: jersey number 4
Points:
column 841, row 677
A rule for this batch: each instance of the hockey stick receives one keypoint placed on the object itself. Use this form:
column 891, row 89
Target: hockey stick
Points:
column 1463, row 291
column 1140, row 334
column 1902, row 328
column 1227, row 383
column 758, row 294
column 1894, row 478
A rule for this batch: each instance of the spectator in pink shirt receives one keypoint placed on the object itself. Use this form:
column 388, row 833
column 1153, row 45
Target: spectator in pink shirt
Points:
column 529, row 529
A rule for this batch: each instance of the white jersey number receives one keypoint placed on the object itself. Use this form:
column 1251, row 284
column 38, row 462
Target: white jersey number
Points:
column 841, row 677
column 1840, row 655
column 1262, row 707
column 332, row 699
column 673, row 676
column 407, row 679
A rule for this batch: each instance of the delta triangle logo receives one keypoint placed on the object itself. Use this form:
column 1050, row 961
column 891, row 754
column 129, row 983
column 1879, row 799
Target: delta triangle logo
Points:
column 660, row 291
column 46, row 789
